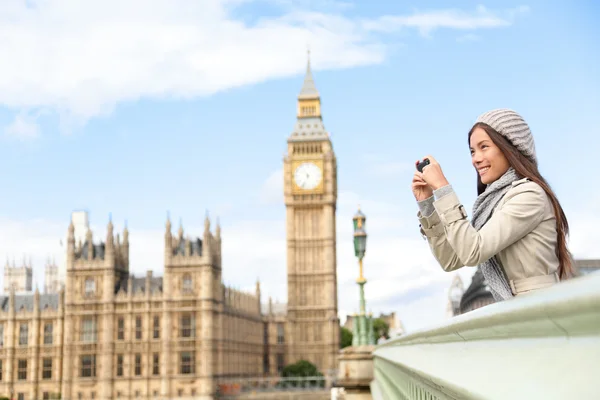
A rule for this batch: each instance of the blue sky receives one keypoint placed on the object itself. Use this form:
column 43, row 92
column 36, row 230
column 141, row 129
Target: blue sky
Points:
column 185, row 107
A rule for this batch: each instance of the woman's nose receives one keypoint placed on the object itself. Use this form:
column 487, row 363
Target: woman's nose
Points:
column 476, row 157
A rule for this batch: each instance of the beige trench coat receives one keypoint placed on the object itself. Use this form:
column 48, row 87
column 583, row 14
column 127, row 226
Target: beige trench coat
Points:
column 521, row 232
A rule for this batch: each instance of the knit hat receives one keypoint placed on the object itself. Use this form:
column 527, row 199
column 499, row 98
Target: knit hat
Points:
column 513, row 127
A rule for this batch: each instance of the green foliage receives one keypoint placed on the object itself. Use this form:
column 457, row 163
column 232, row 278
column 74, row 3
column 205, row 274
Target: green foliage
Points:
column 4, row 398
column 301, row 369
column 345, row 337
column 381, row 328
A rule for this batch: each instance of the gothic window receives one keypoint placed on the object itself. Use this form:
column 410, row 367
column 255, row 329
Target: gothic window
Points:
column 121, row 328
column 155, row 364
column 138, row 327
column 280, row 333
column 23, row 334
column 88, row 366
column 156, row 328
column 187, row 328
column 0, row 370
column 90, row 286
column 48, row 333
column 187, row 362
column 186, row 286
column 47, row 368
column 138, row 365
column 120, row 365
column 88, row 330
column 22, row 370
column 1, row 336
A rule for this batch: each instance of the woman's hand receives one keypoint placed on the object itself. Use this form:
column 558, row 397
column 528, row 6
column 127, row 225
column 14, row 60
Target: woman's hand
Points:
column 420, row 188
column 433, row 175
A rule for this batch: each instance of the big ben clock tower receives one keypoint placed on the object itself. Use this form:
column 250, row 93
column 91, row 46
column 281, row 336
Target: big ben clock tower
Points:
column 310, row 191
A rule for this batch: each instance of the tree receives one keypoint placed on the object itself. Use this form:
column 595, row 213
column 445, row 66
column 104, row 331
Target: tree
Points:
column 381, row 328
column 301, row 369
column 345, row 337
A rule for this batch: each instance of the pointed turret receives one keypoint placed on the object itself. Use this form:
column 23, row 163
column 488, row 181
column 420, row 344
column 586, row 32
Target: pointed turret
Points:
column 126, row 235
column 206, row 223
column 168, row 226
column 90, row 244
column 309, row 89
column 180, row 231
column 109, row 234
column 125, row 246
column 218, row 230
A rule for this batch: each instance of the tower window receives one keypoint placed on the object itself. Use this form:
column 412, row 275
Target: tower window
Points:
column 120, row 328
column 23, row 334
column 88, row 366
column 48, row 333
column 187, row 283
column 22, row 370
column 90, row 286
column 187, row 326
column 47, row 368
column 138, row 327
column 120, row 365
column 280, row 333
column 88, row 331
column 156, row 333
column 187, row 362
column 138, row 365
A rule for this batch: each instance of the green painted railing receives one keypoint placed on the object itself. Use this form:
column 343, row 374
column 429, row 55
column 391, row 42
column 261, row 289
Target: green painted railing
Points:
column 543, row 345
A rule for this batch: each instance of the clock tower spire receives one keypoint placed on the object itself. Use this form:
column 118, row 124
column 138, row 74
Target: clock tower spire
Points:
column 310, row 193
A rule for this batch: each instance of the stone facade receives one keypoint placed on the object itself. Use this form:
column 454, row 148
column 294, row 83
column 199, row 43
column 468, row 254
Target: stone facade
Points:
column 109, row 335
column 52, row 280
column 310, row 194
column 18, row 278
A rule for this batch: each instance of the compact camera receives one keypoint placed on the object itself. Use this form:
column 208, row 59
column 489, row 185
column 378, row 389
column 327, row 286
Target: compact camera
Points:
column 422, row 164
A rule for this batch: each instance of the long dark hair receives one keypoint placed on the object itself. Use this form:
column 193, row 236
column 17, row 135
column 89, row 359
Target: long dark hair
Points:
column 527, row 168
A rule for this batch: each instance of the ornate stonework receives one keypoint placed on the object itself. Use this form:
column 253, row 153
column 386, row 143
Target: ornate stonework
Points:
column 110, row 335
column 310, row 192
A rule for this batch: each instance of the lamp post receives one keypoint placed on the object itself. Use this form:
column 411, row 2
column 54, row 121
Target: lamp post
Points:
column 363, row 324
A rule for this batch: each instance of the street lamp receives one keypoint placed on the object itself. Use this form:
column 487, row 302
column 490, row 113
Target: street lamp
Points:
column 363, row 324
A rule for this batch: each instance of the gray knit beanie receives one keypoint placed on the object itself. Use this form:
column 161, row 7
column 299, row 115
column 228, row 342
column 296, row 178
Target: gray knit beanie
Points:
column 513, row 127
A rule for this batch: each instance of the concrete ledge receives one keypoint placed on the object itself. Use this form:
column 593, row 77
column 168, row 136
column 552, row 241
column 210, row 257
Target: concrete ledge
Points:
column 545, row 344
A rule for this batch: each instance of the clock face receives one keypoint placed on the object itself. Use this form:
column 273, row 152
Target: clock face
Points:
column 307, row 176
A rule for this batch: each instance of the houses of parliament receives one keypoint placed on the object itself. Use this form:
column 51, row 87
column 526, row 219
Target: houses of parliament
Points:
column 105, row 334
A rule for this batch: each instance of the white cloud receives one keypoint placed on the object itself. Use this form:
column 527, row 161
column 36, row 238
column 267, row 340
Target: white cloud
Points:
column 24, row 127
column 428, row 21
column 80, row 60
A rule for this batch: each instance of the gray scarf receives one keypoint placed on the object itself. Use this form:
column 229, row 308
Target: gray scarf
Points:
column 483, row 208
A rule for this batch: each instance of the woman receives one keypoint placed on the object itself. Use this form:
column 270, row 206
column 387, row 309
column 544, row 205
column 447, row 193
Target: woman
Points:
column 518, row 232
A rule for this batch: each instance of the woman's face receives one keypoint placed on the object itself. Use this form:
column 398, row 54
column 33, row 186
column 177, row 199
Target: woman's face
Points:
column 487, row 158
